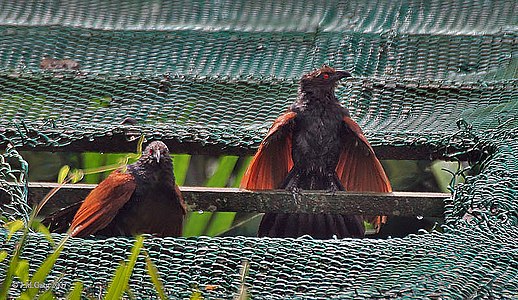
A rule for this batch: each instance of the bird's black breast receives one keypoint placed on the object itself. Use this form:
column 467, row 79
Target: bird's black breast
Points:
column 317, row 137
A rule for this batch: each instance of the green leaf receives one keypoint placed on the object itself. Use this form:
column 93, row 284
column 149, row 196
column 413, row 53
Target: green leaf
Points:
column 243, row 291
column 219, row 222
column 39, row 227
column 3, row 255
column 43, row 271
column 120, row 281
column 48, row 295
column 444, row 178
column 196, row 295
column 196, row 223
column 75, row 293
column 13, row 264
column 92, row 160
column 155, row 278
column 241, row 171
column 213, row 223
column 181, row 166
column 22, row 270
column 116, row 159
column 13, row 227
column 63, row 172
column 223, row 172
column 77, row 175
column 116, row 286
column 24, row 296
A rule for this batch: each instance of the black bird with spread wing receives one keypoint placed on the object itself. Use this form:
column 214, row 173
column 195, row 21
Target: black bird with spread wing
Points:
column 316, row 145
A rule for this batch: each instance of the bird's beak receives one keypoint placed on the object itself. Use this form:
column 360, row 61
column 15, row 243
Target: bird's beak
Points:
column 157, row 155
column 342, row 74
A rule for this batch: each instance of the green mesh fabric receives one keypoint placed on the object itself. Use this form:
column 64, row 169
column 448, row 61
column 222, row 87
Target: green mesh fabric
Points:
column 186, row 71
column 435, row 73
column 13, row 186
column 238, row 113
column 458, row 265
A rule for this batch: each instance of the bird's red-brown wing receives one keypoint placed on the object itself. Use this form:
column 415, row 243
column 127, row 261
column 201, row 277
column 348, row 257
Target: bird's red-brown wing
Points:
column 180, row 198
column 359, row 169
column 272, row 162
column 102, row 204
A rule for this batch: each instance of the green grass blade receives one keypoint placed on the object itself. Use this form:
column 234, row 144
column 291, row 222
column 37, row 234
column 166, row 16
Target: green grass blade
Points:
column 75, row 293
column 222, row 174
column 3, row 255
column 181, row 166
column 196, row 295
column 243, row 291
column 22, row 270
column 123, row 273
column 203, row 223
column 116, row 287
column 39, row 227
column 43, row 271
column 133, row 258
column 241, row 171
column 92, row 160
column 13, row 227
column 155, row 278
column 196, row 223
column 48, row 295
column 219, row 222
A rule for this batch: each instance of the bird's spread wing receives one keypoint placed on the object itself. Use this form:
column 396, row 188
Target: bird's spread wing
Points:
column 273, row 160
column 59, row 221
column 359, row 169
column 103, row 203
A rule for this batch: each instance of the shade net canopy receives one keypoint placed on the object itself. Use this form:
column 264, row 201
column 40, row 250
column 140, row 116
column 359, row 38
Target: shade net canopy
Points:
column 212, row 76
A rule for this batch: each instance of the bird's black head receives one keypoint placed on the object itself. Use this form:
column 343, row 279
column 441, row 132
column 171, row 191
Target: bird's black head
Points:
column 156, row 153
column 324, row 79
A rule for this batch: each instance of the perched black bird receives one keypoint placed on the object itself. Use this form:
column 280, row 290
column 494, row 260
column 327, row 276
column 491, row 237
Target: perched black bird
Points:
column 316, row 146
column 142, row 199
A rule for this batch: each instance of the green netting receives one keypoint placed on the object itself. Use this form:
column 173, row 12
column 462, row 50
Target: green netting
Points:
column 215, row 75
column 13, row 186
column 168, row 65
column 459, row 265
column 54, row 111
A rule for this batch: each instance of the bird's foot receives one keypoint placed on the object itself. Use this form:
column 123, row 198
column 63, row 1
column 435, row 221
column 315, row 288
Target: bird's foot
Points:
column 333, row 189
column 334, row 184
column 297, row 196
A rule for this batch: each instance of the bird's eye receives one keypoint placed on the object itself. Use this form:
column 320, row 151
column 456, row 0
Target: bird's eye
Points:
column 150, row 151
column 325, row 76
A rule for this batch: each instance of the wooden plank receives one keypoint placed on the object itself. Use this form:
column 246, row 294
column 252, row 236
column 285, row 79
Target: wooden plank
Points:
column 230, row 199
